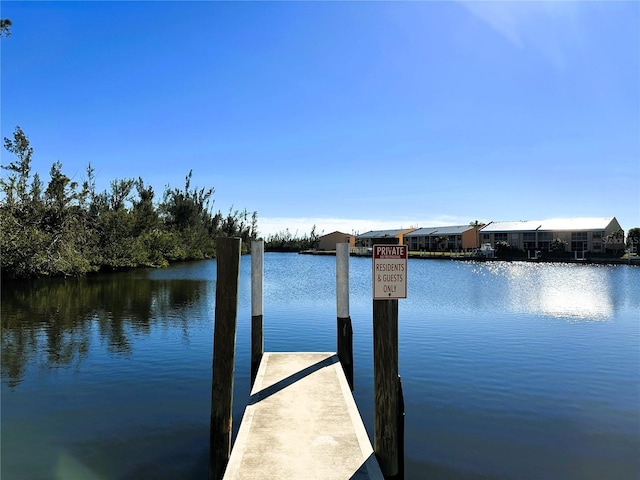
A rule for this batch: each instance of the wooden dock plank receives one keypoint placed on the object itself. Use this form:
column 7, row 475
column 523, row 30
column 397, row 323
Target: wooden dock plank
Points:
column 302, row 423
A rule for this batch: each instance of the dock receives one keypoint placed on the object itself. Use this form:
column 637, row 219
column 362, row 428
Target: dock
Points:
column 302, row 422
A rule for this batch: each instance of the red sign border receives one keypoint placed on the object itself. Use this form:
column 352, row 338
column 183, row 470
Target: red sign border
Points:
column 403, row 256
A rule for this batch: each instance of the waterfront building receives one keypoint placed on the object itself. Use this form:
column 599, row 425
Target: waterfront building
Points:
column 369, row 239
column 452, row 238
column 329, row 241
column 578, row 234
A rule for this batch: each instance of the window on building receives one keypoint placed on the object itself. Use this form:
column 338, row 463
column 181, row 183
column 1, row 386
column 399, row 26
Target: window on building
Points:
column 514, row 241
column 578, row 246
column 545, row 237
column 500, row 237
column 578, row 236
column 578, row 241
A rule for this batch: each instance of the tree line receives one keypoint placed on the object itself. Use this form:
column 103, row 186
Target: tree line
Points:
column 68, row 229
column 285, row 241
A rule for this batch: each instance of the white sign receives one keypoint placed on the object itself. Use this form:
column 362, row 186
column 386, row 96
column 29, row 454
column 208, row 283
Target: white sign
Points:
column 389, row 272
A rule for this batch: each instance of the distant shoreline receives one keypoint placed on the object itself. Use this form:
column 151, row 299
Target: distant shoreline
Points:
column 468, row 258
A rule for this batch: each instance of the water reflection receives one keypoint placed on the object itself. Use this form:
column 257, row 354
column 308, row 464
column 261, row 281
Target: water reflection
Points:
column 562, row 290
column 53, row 322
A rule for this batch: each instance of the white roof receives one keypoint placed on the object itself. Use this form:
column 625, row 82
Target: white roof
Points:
column 589, row 223
column 516, row 226
column 552, row 224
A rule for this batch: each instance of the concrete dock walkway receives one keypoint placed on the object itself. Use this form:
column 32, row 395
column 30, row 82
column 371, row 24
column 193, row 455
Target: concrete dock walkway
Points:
column 302, row 423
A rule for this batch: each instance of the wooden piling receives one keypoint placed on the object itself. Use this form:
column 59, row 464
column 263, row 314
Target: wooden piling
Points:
column 257, row 335
column 385, row 373
column 386, row 389
column 401, row 415
column 224, row 344
column 344, row 326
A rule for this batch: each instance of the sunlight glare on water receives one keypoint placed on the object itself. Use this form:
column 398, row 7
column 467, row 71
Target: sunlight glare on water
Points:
column 558, row 290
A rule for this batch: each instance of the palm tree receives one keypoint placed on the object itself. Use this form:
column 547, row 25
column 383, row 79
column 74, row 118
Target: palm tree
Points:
column 5, row 27
column 558, row 245
column 633, row 238
column 477, row 226
column 439, row 241
column 615, row 242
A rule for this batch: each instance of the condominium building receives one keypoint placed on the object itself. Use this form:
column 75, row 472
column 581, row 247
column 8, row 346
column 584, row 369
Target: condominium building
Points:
column 453, row 238
column 578, row 234
column 592, row 234
column 369, row 239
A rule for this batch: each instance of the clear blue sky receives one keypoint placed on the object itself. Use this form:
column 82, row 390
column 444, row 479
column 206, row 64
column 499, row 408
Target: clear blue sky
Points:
column 347, row 115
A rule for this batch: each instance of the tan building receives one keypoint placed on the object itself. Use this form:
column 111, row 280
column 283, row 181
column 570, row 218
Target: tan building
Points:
column 454, row 238
column 579, row 234
column 329, row 241
column 369, row 239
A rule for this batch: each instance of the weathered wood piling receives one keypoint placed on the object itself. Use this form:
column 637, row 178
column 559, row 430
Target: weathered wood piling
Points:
column 224, row 347
column 388, row 404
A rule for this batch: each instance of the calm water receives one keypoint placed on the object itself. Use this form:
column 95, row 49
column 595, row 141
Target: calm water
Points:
column 510, row 370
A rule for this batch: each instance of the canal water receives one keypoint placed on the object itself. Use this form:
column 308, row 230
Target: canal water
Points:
column 510, row 370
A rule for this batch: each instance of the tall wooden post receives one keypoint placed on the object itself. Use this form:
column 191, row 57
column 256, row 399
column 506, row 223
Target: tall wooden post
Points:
column 257, row 336
column 345, row 329
column 385, row 381
column 224, row 345
column 400, row 414
column 385, row 373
